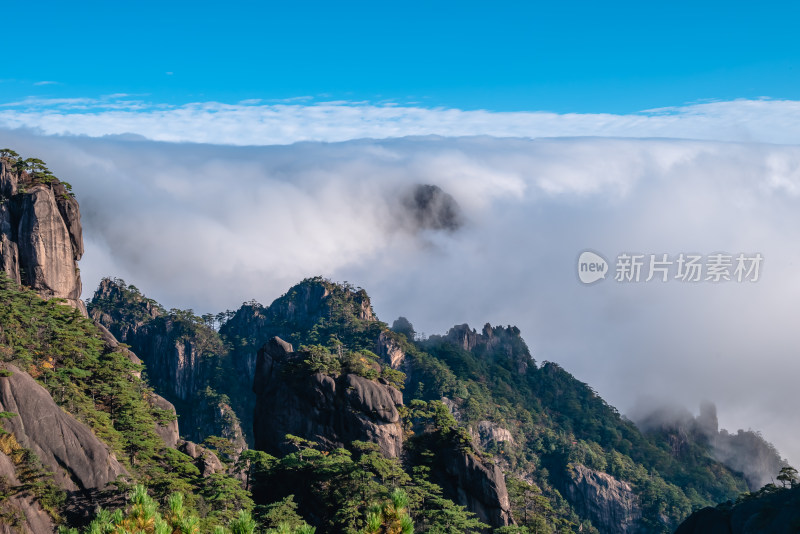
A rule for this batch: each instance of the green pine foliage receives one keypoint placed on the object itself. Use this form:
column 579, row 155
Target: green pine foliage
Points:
column 143, row 515
column 33, row 171
column 365, row 363
column 351, row 491
column 209, row 410
column 558, row 421
column 65, row 352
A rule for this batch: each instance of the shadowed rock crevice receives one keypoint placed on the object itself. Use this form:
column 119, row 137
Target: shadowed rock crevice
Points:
column 475, row 483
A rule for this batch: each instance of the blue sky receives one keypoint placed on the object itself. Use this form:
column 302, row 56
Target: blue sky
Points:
column 583, row 57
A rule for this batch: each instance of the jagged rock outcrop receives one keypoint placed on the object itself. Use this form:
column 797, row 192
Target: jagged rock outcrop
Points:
column 475, row 483
column 487, row 433
column 79, row 460
column 304, row 306
column 390, row 350
column 610, row 504
column 206, row 461
column 492, row 341
column 20, row 512
column 331, row 410
column 174, row 359
column 773, row 511
column 299, row 310
column 168, row 431
column 469, row 479
column 41, row 239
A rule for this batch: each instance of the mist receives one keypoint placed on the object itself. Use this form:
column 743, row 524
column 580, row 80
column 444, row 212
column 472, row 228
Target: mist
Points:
column 209, row 226
column 744, row 451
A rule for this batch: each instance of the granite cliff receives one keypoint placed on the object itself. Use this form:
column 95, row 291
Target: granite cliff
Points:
column 182, row 355
column 78, row 458
column 328, row 409
column 41, row 239
column 611, row 504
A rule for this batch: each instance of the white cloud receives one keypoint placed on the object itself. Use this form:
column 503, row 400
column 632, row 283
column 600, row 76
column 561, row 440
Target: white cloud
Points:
column 254, row 123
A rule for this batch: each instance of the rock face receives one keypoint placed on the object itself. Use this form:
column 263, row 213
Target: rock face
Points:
column 609, row 503
column 79, row 460
column 180, row 357
column 299, row 310
column 30, row 516
column 41, row 239
column 206, row 461
column 173, row 357
column 390, row 350
column 773, row 512
column 488, row 433
column 333, row 411
column 169, row 431
column 303, row 307
column 492, row 341
column 475, row 483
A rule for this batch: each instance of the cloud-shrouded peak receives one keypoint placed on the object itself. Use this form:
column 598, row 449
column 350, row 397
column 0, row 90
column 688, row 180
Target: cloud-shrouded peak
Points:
column 427, row 207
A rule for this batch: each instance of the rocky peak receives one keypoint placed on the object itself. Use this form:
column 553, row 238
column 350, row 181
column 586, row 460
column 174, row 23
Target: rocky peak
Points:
column 467, row 338
column 390, row 349
column 492, row 341
column 314, row 302
column 428, row 207
column 316, row 298
column 181, row 353
column 115, row 302
column 303, row 306
column 41, row 239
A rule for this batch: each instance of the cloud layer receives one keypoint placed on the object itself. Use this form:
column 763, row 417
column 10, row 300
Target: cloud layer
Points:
column 260, row 123
column 209, row 226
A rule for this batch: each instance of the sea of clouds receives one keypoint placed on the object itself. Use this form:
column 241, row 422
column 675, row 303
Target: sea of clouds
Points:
column 207, row 226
